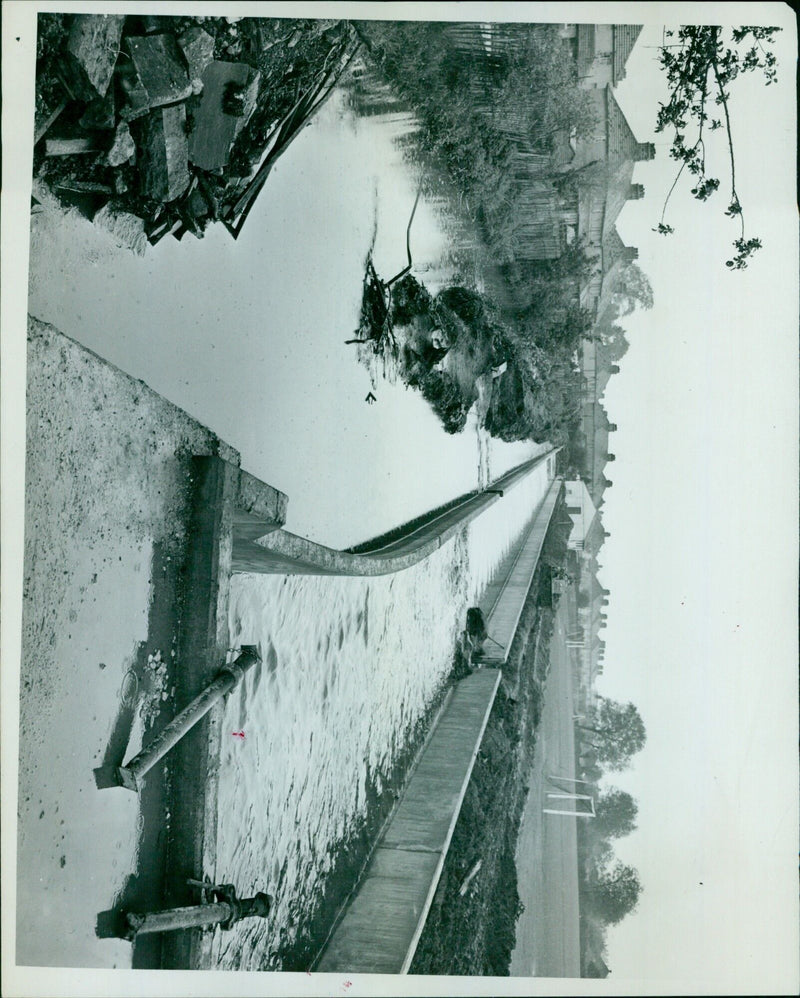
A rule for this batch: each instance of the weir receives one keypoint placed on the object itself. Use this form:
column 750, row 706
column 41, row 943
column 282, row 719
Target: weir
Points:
column 237, row 526
column 275, row 551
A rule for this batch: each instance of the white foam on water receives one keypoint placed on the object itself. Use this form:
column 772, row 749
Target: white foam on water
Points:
column 493, row 533
column 349, row 665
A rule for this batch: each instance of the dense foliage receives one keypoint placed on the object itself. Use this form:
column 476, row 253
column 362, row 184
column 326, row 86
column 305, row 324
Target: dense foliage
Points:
column 475, row 112
column 613, row 893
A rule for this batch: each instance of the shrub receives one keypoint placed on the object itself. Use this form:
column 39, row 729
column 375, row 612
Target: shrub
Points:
column 444, row 395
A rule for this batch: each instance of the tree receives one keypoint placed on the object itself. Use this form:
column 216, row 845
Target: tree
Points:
column 700, row 67
column 632, row 290
column 614, row 893
column 616, row 814
column 620, row 733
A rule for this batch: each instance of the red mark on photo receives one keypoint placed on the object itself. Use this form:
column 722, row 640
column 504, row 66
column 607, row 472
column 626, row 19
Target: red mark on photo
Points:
column 238, row 734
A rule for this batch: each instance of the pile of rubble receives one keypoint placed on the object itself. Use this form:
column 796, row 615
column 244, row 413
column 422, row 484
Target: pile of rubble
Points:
column 150, row 110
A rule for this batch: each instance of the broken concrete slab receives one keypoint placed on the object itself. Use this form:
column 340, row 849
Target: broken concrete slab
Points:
column 199, row 205
column 71, row 147
column 101, row 113
column 157, row 75
column 215, row 130
column 91, row 53
column 198, row 48
column 124, row 148
column 164, row 152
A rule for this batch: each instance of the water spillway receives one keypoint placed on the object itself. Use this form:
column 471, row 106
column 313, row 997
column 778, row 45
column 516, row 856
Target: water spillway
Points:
column 351, row 667
column 279, row 552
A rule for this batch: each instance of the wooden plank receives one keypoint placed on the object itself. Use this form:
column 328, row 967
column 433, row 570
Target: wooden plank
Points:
column 379, row 930
column 504, row 599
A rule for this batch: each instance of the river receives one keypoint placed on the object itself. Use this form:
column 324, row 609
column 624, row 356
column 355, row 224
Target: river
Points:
column 248, row 337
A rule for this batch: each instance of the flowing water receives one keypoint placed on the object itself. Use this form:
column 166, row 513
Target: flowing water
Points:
column 249, row 338
column 349, row 666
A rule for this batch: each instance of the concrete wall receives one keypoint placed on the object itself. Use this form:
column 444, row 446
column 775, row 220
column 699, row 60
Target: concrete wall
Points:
column 284, row 553
column 380, row 928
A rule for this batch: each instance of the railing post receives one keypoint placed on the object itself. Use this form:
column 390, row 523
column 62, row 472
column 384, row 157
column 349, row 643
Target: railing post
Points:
column 130, row 776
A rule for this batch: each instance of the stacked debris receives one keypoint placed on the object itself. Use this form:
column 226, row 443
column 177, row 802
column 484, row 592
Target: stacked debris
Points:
column 175, row 120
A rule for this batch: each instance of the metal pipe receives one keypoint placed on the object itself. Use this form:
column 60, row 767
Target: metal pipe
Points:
column 226, row 911
column 568, row 814
column 178, row 918
column 130, row 776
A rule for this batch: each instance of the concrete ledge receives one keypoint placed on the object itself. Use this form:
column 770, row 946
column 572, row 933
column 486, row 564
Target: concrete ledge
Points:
column 227, row 501
column 203, row 645
column 284, row 553
column 505, row 598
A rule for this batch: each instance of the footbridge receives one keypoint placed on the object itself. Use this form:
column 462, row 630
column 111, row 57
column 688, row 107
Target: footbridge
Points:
column 380, row 927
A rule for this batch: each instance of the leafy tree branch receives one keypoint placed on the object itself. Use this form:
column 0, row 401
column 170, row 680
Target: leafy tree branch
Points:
column 699, row 68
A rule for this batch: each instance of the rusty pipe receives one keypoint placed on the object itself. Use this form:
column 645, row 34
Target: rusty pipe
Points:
column 130, row 775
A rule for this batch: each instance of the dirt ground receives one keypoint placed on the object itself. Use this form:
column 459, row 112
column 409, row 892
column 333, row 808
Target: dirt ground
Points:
column 108, row 482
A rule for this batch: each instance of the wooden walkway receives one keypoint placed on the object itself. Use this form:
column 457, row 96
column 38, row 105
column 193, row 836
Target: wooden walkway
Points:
column 505, row 596
column 380, row 928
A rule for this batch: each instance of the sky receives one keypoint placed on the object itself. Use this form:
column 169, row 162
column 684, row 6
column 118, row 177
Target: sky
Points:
column 702, row 557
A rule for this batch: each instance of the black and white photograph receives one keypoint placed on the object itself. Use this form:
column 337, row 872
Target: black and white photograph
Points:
column 399, row 499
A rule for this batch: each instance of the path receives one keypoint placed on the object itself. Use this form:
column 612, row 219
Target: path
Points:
column 548, row 940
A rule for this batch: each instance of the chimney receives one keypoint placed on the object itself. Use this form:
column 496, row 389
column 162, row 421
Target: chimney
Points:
column 636, row 192
column 644, row 150
column 629, row 254
column 612, row 427
column 615, row 368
